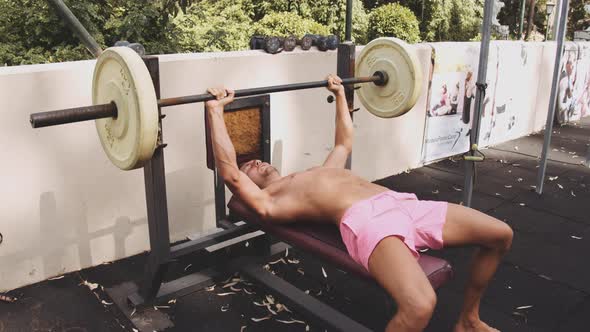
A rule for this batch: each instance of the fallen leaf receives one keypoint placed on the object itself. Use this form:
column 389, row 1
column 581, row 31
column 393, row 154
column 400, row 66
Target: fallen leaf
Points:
column 519, row 179
column 133, row 312
column 225, row 308
column 187, row 267
column 235, row 289
column 524, row 307
column 324, row 273
column 278, row 261
column 508, row 186
column 293, row 261
column 287, row 252
column 292, row 321
column 516, row 148
column 573, row 193
column 260, row 319
column 6, row 298
column 56, row 278
column 457, row 188
column 210, row 288
column 522, row 204
column 435, row 191
column 243, row 328
column 230, row 284
column 300, row 270
column 576, row 237
column 106, row 303
column 551, row 178
column 560, row 186
column 248, row 292
column 226, row 294
column 173, row 301
column 90, row 285
column 162, row 307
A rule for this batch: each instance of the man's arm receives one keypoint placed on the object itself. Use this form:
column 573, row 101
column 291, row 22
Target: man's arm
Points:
column 225, row 156
column 344, row 127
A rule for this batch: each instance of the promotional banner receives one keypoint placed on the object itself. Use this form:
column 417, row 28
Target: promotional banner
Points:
column 451, row 100
column 510, row 94
column 573, row 97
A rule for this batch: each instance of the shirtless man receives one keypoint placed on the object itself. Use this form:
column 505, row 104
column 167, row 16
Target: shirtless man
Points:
column 381, row 228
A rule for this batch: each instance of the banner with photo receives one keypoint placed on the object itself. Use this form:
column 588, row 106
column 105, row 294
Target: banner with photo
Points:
column 451, row 100
column 574, row 83
column 510, row 94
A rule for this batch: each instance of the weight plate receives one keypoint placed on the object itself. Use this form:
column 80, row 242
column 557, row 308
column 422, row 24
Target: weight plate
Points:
column 399, row 61
column 121, row 77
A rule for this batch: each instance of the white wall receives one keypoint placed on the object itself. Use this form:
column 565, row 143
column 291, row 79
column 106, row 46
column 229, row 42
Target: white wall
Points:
column 64, row 207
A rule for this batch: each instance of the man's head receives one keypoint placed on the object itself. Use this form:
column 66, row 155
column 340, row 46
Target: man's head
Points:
column 260, row 172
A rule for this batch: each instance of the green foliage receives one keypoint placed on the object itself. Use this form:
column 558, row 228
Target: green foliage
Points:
column 393, row 20
column 31, row 32
column 213, row 25
column 140, row 22
column 332, row 13
column 288, row 23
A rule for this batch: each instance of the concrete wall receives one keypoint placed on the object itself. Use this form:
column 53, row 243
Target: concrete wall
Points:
column 64, row 207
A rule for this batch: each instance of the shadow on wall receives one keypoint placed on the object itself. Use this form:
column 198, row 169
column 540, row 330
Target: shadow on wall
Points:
column 56, row 238
column 189, row 197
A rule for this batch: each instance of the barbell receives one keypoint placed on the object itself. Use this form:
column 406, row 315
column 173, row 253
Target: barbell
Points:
column 126, row 108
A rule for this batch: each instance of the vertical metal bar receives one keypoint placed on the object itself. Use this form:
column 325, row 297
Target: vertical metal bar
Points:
column 479, row 98
column 348, row 29
column 219, row 188
column 521, row 23
column 552, row 99
column 345, row 68
column 157, row 206
column 66, row 14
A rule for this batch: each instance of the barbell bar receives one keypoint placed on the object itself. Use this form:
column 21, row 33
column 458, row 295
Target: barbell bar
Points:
column 94, row 112
column 126, row 108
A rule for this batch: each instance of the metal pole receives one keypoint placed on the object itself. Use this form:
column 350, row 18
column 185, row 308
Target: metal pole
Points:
column 52, row 118
column 552, row 99
column 348, row 29
column 521, row 25
column 479, row 98
column 66, row 14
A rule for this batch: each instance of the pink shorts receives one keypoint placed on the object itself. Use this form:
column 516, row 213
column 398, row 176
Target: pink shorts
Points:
column 418, row 223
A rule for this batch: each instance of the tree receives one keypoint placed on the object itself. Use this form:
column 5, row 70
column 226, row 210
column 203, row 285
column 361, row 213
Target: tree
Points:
column 210, row 26
column 288, row 23
column 393, row 20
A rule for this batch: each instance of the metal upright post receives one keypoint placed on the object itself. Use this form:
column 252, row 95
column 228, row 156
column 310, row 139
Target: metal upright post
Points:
column 348, row 29
column 553, row 97
column 479, row 98
column 521, row 25
column 157, row 206
column 345, row 64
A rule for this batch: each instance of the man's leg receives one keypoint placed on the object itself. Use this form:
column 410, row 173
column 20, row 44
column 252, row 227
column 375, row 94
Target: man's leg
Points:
column 466, row 226
column 397, row 270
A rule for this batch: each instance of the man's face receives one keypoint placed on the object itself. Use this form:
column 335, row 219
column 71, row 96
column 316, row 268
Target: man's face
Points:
column 259, row 172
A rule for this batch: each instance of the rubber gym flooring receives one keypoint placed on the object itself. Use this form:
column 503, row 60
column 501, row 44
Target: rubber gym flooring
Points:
column 542, row 285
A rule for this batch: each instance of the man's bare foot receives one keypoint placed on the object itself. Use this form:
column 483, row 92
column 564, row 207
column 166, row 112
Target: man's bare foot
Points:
column 464, row 325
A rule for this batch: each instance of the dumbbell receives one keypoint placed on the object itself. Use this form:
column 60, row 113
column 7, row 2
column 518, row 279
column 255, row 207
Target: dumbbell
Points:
column 137, row 47
column 290, row 42
column 324, row 43
column 270, row 44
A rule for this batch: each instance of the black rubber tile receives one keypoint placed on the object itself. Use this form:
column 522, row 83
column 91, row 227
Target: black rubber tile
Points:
column 557, row 201
column 525, row 295
column 449, row 306
column 576, row 319
column 60, row 305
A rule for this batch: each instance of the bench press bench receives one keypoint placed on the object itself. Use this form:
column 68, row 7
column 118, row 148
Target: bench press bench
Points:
column 324, row 241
